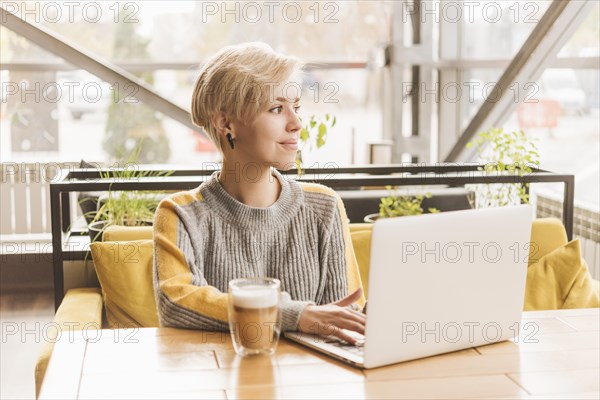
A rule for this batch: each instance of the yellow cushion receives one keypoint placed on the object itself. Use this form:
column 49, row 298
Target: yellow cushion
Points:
column 361, row 226
column 125, row 273
column 81, row 308
column 547, row 235
column 120, row 233
column 361, row 241
column 560, row 280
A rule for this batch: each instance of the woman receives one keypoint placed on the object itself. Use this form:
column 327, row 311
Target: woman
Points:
column 247, row 219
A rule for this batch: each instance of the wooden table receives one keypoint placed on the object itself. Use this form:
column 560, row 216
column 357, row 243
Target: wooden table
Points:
column 559, row 359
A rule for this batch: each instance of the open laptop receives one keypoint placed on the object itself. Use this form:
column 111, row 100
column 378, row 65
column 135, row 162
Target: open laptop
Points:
column 439, row 283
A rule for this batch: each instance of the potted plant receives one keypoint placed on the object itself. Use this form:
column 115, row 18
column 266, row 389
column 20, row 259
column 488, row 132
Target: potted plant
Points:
column 314, row 132
column 395, row 205
column 129, row 208
column 504, row 153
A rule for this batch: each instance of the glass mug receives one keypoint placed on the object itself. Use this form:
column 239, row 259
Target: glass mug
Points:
column 254, row 315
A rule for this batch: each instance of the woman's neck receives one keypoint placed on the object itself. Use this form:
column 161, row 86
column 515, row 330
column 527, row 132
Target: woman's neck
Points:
column 252, row 185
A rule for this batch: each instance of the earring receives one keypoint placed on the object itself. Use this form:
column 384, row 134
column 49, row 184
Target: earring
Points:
column 230, row 140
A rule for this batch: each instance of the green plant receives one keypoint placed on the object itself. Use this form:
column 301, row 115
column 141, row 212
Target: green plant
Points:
column 504, row 154
column 314, row 132
column 130, row 208
column 395, row 205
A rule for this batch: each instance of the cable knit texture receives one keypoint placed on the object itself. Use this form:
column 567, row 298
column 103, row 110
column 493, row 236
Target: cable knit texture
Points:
column 203, row 238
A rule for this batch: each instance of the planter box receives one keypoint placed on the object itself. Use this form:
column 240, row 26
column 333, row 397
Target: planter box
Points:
column 359, row 203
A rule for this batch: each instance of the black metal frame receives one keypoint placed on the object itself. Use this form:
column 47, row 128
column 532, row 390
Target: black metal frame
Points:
column 447, row 174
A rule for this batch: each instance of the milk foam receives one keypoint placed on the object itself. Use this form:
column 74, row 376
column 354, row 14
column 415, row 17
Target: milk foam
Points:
column 255, row 297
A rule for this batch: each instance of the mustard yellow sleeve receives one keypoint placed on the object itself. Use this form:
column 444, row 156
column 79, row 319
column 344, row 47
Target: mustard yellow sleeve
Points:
column 183, row 299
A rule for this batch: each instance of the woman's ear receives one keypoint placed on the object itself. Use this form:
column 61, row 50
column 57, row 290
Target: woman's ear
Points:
column 221, row 123
column 218, row 121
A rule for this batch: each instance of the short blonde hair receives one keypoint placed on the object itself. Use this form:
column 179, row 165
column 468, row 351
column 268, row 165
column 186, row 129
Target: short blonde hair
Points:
column 239, row 80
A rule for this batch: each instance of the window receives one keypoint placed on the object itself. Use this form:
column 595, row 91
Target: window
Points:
column 497, row 29
column 163, row 43
column 562, row 107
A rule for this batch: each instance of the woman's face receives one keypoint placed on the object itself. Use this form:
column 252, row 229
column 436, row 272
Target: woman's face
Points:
column 272, row 139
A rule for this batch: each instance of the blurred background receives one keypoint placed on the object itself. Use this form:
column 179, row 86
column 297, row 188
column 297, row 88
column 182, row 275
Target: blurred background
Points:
column 54, row 112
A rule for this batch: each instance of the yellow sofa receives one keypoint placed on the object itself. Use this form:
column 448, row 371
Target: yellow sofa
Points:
column 84, row 306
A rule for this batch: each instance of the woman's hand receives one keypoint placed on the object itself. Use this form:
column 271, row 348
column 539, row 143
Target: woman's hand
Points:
column 330, row 319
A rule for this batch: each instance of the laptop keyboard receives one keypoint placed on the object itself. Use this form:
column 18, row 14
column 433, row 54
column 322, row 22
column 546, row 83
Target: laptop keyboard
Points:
column 357, row 349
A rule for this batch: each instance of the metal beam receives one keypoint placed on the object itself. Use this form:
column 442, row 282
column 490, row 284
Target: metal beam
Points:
column 102, row 68
column 450, row 52
column 419, row 57
column 539, row 50
column 562, row 62
column 159, row 65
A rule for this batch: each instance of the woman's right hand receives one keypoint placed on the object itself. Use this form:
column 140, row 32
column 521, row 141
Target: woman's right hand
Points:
column 330, row 319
